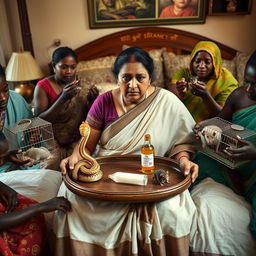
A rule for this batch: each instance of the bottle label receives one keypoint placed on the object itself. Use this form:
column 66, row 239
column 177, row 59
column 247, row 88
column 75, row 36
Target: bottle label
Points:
column 147, row 160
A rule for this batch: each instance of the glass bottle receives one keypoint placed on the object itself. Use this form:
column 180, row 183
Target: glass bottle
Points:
column 147, row 156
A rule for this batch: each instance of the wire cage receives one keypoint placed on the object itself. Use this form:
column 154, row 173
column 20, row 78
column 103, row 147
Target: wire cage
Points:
column 29, row 133
column 217, row 135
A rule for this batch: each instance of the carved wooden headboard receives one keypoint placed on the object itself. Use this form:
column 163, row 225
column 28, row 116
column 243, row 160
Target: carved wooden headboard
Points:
column 174, row 40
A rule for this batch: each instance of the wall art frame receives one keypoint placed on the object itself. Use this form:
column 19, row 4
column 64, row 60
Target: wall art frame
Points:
column 229, row 7
column 141, row 13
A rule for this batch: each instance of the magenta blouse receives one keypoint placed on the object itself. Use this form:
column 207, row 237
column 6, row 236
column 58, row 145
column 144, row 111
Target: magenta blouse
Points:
column 102, row 112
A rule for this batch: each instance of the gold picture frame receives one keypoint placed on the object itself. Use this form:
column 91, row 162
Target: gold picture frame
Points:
column 141, row 13
column 229, row 7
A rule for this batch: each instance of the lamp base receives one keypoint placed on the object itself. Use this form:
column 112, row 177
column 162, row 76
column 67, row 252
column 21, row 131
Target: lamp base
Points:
column 26, row 90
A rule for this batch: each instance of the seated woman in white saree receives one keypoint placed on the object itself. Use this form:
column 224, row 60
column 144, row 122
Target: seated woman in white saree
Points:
column 119, row 119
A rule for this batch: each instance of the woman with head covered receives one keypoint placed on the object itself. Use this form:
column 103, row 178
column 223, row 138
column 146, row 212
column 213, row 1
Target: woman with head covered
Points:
column 119, row 119
column 205, row 85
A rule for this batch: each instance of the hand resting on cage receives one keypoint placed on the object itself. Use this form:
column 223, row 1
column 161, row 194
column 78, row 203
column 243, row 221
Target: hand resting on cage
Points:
column 246, row 152
column 196, row 129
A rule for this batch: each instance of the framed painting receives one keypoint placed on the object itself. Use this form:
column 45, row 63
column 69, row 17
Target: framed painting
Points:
column 229, row 7
column 127, row 13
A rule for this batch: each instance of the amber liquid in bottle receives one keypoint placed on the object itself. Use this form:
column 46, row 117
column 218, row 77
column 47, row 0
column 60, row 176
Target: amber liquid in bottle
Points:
column 147, row 156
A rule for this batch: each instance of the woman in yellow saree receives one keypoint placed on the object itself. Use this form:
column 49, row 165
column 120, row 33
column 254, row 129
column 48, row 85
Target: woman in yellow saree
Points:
column 119, row 120
column 205, row 85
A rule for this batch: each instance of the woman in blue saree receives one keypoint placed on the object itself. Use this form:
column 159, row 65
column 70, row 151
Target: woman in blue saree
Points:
column 13, row 108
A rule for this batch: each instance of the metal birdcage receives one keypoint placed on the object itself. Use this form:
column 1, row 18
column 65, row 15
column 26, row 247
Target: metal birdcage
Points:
column 29, row 133
column 218, row 134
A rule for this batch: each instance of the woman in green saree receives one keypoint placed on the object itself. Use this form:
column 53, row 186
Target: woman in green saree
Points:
column 240, row 108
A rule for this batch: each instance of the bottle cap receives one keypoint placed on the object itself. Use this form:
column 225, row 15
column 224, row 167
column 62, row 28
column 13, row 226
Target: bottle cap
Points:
column 147, row 136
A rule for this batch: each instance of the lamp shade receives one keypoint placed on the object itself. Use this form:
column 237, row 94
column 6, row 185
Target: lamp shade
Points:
column 22, row 67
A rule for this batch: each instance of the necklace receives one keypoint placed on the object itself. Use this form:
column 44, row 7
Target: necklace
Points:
column 123, row 102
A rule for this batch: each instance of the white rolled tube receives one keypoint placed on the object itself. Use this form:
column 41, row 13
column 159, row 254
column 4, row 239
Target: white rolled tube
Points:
column 129, row 178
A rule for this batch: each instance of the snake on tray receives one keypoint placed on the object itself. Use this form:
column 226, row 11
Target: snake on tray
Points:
column 87, row 169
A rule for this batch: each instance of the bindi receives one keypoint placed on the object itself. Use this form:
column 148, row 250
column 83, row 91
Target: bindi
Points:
column 132, row 59
column 203, row 56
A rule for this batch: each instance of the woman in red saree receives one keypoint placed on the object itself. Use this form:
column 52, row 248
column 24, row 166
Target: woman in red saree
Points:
column 26, row 238
column 22, row 226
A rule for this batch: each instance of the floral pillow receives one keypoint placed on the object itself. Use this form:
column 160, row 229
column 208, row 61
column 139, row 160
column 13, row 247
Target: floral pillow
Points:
column 103, row 62
column 241, row 60
column 157, row 56
column 95, row 72
column 173, row 63
column 230, row 65
column 105, row 87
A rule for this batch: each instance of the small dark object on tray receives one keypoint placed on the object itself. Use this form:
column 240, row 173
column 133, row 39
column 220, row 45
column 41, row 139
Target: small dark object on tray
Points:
column 160, row 177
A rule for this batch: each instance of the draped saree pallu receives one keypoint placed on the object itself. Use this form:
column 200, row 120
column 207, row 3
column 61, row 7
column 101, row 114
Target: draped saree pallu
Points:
column 25, row 239
column 95, row 227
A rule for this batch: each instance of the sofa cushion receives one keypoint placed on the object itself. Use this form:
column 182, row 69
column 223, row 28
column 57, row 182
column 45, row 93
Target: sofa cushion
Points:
column 241, row 60
column 231, row 66
column 105, row 87
column 97, row 71
column 173, row 63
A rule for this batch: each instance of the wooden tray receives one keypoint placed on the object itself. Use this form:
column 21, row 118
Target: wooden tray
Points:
column 106, row 189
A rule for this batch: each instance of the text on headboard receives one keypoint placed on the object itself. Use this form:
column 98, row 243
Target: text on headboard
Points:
column 148, row 35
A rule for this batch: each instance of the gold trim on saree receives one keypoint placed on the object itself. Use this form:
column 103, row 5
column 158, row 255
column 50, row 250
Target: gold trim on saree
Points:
column 125, row 119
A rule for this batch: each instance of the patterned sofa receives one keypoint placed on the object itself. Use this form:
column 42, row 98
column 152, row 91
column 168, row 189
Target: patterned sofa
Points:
column 98, row 70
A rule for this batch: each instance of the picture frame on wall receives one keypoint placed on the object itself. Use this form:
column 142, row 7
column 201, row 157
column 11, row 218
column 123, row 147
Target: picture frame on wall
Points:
column 229, row 7
column 126, row 13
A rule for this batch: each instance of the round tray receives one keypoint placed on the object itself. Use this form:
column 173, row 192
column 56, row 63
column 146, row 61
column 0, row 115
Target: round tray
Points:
column 106, row 189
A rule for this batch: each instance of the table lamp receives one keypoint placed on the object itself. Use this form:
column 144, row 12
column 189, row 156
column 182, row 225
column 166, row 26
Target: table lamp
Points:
column 23, row 68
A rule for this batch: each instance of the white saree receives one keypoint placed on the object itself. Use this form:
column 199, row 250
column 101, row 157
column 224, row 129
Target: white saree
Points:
column 96, row 227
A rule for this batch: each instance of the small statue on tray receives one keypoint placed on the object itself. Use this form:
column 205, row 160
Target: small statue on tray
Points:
column 87, row 169
column 160, row 177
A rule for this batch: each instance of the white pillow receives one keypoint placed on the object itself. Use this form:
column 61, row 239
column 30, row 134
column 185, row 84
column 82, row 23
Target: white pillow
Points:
column 40, row 185
column 222, row 221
